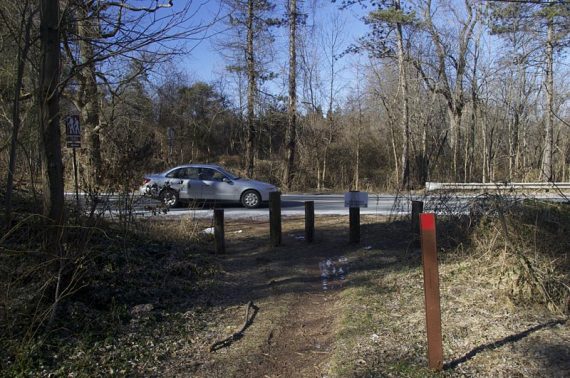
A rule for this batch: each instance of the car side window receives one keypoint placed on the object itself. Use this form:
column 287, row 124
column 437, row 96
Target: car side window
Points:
column 184, row 173
column 192, row 173
column 175, row 173
column 217, row 176
column 207, row 174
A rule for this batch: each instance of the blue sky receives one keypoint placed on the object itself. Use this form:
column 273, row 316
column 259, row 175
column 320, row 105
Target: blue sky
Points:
column 205, row 63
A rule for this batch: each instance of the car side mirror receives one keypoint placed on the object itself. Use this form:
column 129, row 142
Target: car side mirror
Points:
column 227, row 180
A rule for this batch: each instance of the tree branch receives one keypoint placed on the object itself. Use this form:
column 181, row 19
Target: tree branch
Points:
column 124, row 5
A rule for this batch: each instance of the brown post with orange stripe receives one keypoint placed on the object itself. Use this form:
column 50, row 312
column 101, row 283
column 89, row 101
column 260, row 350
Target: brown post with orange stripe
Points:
column 431, row 291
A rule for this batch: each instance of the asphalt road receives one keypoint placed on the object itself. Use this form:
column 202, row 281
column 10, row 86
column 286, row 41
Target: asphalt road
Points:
column 292, row 205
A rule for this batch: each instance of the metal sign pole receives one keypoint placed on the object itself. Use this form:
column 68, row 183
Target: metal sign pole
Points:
column 73, row 138
column 75, row 176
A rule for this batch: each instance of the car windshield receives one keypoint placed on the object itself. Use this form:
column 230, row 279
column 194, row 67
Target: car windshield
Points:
column 230, row 175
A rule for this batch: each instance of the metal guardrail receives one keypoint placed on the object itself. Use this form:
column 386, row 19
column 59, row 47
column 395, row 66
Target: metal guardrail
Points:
column 434, row 186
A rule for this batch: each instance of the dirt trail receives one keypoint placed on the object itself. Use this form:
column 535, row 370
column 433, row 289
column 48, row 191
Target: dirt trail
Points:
column 292, row 333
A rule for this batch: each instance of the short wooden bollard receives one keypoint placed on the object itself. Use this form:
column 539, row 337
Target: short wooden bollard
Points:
column 417, row 209
column 354, row 219
column 431, row 291
column 219, row 231
column 275, row 218
column 309, row 221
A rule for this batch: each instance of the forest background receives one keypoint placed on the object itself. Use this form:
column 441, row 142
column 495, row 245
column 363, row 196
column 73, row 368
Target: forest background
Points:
column 371, row 95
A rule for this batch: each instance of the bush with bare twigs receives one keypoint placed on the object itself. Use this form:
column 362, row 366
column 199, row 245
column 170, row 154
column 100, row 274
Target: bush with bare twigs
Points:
column 526, row 243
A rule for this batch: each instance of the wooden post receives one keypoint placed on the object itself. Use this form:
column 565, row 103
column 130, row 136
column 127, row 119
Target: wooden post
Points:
column 275, row 218
column 309, row 221
column 417, row 209
column 219, row 231
column 431, row 291
column 354, row 218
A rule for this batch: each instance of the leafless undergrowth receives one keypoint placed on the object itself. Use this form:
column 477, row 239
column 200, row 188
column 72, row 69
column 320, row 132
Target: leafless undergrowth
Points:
column 523, row 241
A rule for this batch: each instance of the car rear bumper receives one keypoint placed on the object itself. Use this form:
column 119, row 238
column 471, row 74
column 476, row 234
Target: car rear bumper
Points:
column 146, row 190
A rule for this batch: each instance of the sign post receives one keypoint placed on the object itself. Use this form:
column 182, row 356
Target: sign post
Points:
column 275, row 218
column 417, row 209
column 431, row 291
column 73, row 139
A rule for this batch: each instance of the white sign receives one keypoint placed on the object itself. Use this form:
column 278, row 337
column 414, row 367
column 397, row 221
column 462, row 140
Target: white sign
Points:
column 356, row 199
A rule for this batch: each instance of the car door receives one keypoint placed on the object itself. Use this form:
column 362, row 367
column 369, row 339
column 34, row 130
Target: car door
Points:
column 217, row 186
column 193, row 186
column 174, row 180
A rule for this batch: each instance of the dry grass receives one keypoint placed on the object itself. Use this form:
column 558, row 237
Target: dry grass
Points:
column 502, row 301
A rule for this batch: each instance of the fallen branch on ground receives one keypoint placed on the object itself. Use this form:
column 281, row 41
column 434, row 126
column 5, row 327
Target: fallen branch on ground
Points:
column 237, row 335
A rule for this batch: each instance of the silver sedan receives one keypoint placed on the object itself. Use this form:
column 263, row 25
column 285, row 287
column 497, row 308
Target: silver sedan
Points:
column 187, row 183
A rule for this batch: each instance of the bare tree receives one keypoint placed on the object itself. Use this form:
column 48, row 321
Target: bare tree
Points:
column 117, row 32
column 391, row 25
column 332, row 45
column 24, row 39
column 292, row 110
column 251, row 90
column 48, row 101
column 250, row 20
column 548, row 23
column 449, row 62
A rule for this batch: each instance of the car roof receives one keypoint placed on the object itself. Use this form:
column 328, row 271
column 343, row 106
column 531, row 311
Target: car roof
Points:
column 197, row 166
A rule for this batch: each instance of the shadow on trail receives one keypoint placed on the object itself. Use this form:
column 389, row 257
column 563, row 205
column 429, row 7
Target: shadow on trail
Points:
column 507, row 340
column 259, row 271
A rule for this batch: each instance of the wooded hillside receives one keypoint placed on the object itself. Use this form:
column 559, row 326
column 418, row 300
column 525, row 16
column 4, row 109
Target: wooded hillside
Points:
column 444, row 91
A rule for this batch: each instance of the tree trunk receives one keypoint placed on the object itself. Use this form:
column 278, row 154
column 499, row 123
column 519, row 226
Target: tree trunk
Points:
column 292, row 113
column 546, row 171
column 88, row 103
column 469, row 158
column 50, row 135
column 324, row 172
column 250, row 144
column 49, row 112
column 26, row 26
column 455, row 125
column 405, row 121
column 358, row 142
column 395, row 153
column 484, row 173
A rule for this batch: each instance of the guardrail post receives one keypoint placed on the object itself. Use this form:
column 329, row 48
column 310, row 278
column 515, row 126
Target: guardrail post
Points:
column 309, row 221
column 275, row 218
column 431, row 291
column 417, row 209
column 219, row 237
column 354, row 219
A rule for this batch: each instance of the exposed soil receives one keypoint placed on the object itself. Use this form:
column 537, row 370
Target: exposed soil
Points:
column 376, row 328
column 292, row 333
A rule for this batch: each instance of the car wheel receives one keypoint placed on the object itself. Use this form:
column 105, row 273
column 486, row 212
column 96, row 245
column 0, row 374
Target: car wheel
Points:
column 250, row 199
column 169, row 198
